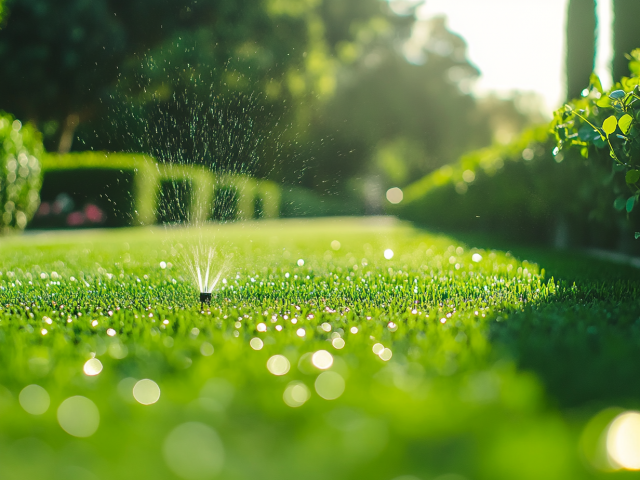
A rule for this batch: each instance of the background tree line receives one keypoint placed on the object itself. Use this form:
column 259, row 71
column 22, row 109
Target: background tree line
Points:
column 318, row 93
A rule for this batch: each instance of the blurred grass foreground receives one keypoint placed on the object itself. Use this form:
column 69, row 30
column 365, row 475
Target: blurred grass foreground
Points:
column 339, row 349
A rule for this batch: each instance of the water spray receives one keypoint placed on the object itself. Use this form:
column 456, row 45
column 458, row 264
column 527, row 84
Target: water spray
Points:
column 201, row 275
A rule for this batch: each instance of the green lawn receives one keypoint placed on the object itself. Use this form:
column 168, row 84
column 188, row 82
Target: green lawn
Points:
column 318, row 358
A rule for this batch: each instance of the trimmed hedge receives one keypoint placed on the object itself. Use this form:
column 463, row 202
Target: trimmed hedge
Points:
column 522, row 192
column 20, row 173
column 115, row 189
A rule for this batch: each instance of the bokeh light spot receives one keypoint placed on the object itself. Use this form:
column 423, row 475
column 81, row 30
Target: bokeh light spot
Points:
column 296, row 394
column 322, row 359
column 278, row 365
column 256, row 343
column 206, row 349
column 388, row 254
column 79, row 416
column 395, row 195
column 34, row 399
column 386, row 354
column 92, row 367
column 623, row 441
column 330, row 385
column 194, row 451
column 146, row 392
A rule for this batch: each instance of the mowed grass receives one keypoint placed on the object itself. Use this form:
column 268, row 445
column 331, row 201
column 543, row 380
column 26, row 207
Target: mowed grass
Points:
column 318, row 358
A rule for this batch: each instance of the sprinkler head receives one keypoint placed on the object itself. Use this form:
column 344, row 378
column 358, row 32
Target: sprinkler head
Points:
column 205, row 298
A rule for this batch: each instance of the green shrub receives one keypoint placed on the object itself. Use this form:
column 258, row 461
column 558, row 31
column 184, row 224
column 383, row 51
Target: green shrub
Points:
column 20, row 173
column 94, row 189
column 523, row 192
column 225, row 203
column 117, row 189
column 604, row 127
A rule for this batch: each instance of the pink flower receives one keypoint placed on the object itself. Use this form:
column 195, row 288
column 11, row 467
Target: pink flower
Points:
column 44, row 209
column 93, row 213
column 75, row 218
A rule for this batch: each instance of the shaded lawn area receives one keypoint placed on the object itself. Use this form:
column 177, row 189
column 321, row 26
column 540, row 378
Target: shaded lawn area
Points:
column 318, row 358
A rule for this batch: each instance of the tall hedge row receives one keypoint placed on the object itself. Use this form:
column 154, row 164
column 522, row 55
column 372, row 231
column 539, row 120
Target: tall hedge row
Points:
column 526, row 191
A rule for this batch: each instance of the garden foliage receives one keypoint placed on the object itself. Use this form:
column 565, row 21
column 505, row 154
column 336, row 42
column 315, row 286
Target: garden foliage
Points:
column 20, row 173
column 604, row 126
column 118, row 189
column 522, row 191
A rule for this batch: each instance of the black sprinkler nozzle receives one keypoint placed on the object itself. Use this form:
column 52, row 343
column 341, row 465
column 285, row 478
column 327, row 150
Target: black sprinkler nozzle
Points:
column 205, row 298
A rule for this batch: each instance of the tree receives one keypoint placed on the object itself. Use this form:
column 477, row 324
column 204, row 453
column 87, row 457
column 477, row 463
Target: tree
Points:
column 626, row 35
column 59, row 61
column 399, row 120
column 581, row 45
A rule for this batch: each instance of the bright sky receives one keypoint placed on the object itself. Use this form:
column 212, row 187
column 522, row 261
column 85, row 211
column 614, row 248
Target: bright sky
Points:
column 519, row 44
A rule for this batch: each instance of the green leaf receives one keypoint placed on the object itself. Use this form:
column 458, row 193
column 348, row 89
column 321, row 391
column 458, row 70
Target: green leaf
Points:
column 619, row 203
column 637, row 235
column 588, row 134
column 625, row 123
column 631, row 201
column 617, row 95
column 595, row 82
column 632, row 176
column 609, row 125
column 604, row 102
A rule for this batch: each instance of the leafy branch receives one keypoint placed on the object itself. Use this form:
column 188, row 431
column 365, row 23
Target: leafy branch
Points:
column 607, row 124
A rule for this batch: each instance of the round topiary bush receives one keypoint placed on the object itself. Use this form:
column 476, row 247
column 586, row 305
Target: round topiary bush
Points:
column 20, row 173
